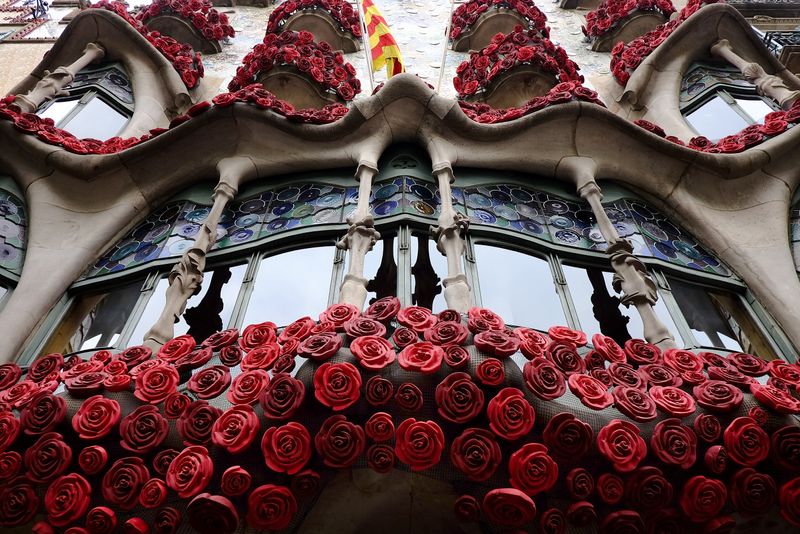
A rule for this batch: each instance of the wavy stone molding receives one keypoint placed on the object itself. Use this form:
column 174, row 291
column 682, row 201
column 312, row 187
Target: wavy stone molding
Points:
column 490, row 23
column 294, row 87
column 639, row 23
column 324, row 28
column 583, row 4
column 184, row 32
column 516, row 87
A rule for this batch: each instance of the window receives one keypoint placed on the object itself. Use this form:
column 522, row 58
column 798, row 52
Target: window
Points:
column 99, row 103
column 428, row 269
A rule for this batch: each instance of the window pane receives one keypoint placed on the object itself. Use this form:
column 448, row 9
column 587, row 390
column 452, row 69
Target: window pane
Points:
column 518, row 287
column 427, row 272
column 97, row 120
column 59, row 109
column 599, row 308
column 207, row 312
column 756, row 108
column 715, row 119
column 291, row 285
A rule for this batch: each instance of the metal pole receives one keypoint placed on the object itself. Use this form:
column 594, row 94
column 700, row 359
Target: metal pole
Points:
column 367, row 50
column 445, row 45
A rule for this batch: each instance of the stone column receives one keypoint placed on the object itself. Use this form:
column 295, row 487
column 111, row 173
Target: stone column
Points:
column 631, row 280
column 53, row 83
column 186, row 276
column 449, row 236
column 768, row 85
column 360, row 238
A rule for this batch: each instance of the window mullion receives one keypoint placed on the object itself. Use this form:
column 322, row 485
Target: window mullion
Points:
column 243, row 299
column 337, row 275
column 471, row 270
column 404, row 265
column 769, row 330
column 46, row 329
column 146, row 293
column 84, row 99
column 665, row 293
column 562, row 289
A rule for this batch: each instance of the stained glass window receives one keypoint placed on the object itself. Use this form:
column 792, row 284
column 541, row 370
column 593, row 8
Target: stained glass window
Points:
column 13, row 228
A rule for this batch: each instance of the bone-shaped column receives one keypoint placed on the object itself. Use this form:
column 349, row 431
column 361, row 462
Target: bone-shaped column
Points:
column 186, row 276
column 360, row 238
column 449, row 235
column 53, row 83
column 630, row 274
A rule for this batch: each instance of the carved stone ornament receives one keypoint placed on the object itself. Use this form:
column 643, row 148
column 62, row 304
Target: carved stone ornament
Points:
column 449, row 236
column 360, row 238
column 480, row 34
column 628, row 29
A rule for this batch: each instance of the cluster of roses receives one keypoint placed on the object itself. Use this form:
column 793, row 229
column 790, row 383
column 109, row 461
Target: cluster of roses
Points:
column 775, row 123
column 626, row 57
column 101, row 464
column 469, row 12
column 608, row 14
column 211, row 24
column 505, row 52
column 340, row 11
column 186, row 61
column 299, row 50
column 560, row 94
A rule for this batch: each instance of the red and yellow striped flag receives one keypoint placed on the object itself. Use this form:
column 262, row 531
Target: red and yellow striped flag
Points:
column 383, row 47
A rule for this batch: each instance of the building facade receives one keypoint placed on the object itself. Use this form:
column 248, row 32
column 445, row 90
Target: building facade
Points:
column 545, row 280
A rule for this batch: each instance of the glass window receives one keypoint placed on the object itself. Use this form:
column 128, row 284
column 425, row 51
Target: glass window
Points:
column 518, row 287
column 756, row 108
column 97, row 120
column 3, row 293
column 428, row 269
column 207, row 312
column 600, row 311
column 291, row 285
column 59, row 109
column 95, row 320
column 716, row 119
column 380, row 268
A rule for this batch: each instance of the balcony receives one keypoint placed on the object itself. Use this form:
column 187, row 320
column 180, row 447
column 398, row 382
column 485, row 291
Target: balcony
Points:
column 786, row 47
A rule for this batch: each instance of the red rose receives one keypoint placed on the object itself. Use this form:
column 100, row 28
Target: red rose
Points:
column 623, row 374
column 608, row 348
column 610, row 488
column 10, row 373
column 476, row 454
column 622, row 521
column 716, row 459
column 532, row 470
column 774, row 398
column 18, row 395
column 408, row 397
column 282, row 397
column 544, row 379
column 143, row 430
column 167, row 520
column 175, row 405
column 447, row 333
column 647, row 489
column 480, row 319
column 580, row 484
column 673, row 401
column 225, row 338
column 230, row 356
column 92, row 459
column 261, row 357
column 362, row 326
column 683, row 360
column 18, row 502
column 85, row 384
column 155, row 384
column 785, row 449
column 381, row 458
column 784, row 371
column 190, row 471
column 591, row 391
column 338, row 314
column 748, row 364
column 235, row 429
column 320, row 347
column 423, row 357
column 153, row 494
column 752, row 493
column 789, row 500
column 708, row 427
column 619, row 442
column 660, row 375
column 306, row 483
column 270, row 507
column 42, row 413
column 373, row 352
column 123, row 481
column 255, row 335
column 567, row 437
column 48, row 458
column 458, row 399
column 299, row 329
column 508, row 507
column 176, row 348
column 467, row 509
column 235, row 481
column 247, row 387
column 337, row 385
column 383, row 309
column 212, row 513
column 339, row 442
column 674, row 443
column 532, row 343
column 718, row 396
column 419, row 443
column 67, row 499
column 553, row 521
column 193, row 360
column 43, row 366
column 133, row 356
column 379, row 391
column 286, row 449
column 195, row 424
column 746, row 443
column 510, row 415
column 498, row 343
column 10, row 464
column 379, row 427
column 490, row 372
column 641, row 352
column 456, row 356
column 403, row 337
column 634, row 403
column 564, row 334
column 417, row 318
column 101, row 520
column 96, row 417
column 210, row 382
column 703, row 498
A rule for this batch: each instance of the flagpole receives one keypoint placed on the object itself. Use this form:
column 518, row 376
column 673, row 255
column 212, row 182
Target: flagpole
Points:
column 446, row 45
column 367, row 49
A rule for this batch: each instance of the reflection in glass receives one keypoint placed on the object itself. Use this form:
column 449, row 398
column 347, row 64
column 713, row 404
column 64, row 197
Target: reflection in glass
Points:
column 427, row 271
column 599, row 308
column 518, row 287
column 756, row 108
column 207, row 312
column 96, row 120
column 291, row 285
column 716, row 119
column 59, row 109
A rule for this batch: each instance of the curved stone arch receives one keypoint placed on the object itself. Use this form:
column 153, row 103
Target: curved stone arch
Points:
column 653, row 90
column 324, row 28
column 159, row 93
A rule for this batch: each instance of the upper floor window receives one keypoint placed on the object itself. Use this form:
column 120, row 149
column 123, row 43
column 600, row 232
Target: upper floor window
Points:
column 717, row 100
column 98, row 106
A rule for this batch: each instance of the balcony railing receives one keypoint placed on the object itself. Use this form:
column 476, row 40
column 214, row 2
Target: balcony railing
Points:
column 777, row 40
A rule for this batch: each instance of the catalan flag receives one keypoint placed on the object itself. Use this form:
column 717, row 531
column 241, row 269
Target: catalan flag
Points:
column 383, row 47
